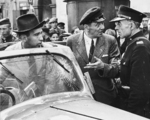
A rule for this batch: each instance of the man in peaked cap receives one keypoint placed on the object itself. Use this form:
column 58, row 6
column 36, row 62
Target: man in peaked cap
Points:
column 135, row 64
column 5, row 31
column 54, row 25
column 96, row 53
column 30, row 33
column 61, row 25
column 53, row 22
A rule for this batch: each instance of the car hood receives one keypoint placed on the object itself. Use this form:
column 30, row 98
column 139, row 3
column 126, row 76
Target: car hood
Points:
column 73, row 107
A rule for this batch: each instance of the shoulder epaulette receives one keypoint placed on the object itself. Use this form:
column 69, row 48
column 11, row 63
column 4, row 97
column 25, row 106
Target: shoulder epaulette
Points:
column 139, row 42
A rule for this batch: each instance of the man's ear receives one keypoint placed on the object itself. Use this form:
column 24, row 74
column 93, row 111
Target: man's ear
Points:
column 132, row 25
column 86, row 26
column 23, row 37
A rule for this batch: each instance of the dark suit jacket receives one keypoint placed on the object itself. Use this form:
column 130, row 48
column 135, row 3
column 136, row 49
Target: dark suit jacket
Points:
column 107, row 50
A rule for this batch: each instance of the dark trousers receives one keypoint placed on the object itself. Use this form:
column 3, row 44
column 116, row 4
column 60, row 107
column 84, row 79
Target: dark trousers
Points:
column 104, row 96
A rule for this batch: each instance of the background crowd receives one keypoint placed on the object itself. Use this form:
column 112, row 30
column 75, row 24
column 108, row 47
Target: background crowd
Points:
column 118, row 60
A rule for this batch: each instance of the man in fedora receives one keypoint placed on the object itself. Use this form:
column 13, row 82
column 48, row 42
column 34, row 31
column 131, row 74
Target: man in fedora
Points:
column 5, row 31
column 135, row 64
column 96, row 53
column 30, row 33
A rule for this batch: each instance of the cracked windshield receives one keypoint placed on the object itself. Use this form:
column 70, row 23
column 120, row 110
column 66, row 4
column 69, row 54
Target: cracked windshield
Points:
column 28, row 77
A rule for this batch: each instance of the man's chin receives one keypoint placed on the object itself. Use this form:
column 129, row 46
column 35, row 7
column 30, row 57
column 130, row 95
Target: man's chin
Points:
column 121, row 37
column 100, row 34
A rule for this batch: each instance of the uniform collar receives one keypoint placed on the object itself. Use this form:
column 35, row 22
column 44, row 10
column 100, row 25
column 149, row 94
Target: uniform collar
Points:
column 130, row 40
column 138, row 34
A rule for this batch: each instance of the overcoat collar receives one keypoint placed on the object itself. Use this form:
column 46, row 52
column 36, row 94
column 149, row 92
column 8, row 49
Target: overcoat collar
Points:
column 80, row 47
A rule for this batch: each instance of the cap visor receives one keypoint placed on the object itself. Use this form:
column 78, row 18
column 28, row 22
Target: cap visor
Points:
column 117, row 19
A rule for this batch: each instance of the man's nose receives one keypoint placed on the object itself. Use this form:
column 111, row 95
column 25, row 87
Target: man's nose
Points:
column 102, row 27
column 41, row 37
column 116, row 27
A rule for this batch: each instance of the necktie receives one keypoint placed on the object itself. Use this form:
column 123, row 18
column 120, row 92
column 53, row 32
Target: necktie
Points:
column 91, row 51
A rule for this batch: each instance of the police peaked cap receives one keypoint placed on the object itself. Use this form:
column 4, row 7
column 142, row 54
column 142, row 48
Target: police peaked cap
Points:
column 4, row 21
column 91, row 15
column 54, row 19
column 128, row 13
column 61, row 23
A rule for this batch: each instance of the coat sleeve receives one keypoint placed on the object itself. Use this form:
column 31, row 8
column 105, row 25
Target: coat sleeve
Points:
column 111, row 69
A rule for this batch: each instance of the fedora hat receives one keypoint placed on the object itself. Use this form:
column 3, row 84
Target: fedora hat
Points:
column 27, row 22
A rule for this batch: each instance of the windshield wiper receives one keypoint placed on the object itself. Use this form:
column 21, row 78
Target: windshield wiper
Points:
column 5, row 68
column 57, row 61
column 77, row 113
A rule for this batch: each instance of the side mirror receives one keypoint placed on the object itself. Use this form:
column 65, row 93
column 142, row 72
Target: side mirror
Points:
column 89, row 82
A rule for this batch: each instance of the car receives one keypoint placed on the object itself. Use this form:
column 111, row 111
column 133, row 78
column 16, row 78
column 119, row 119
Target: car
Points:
column 48, row 84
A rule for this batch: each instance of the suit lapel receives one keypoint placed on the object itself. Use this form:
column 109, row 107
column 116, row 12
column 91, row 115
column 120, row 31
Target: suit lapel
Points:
column 81, row 49
column 99, row 48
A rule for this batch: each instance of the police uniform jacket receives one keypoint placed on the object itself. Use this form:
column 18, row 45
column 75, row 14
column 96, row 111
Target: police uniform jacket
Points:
column 135, row 65
column 107, row 50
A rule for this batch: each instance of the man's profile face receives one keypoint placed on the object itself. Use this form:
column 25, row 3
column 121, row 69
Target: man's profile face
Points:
column 123, row 28
column 145, row 22
column 61, row 27
column 96, row 29
column 48, row 25
column 5, row 30
column 53, row 25
column 35, row 38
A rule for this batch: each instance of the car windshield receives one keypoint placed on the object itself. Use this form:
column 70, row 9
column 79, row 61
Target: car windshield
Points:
column 32, row 76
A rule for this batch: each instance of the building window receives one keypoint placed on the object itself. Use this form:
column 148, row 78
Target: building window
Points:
column 49, row 8
column 53, row 9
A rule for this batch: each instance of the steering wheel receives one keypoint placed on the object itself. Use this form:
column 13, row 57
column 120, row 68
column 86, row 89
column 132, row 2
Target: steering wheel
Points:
column 5, row 91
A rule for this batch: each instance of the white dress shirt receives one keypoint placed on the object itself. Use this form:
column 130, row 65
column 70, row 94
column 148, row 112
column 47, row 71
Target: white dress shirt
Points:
column 88, row 43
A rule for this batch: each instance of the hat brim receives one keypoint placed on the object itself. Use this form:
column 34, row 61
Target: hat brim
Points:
column 38, row 26
column 117, row 19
